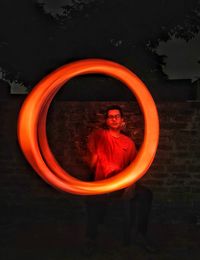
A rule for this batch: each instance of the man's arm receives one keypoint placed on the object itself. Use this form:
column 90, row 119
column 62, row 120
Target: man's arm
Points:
column 133, row 152
column 92, row 161
column 92, row 144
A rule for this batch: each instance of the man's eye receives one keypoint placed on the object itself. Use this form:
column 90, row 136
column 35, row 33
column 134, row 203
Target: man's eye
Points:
column 116, row 116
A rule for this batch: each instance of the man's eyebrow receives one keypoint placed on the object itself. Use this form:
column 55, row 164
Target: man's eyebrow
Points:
column 114, row 114
column 117, row 114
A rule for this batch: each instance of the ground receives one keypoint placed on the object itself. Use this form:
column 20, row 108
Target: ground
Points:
column 61, row 241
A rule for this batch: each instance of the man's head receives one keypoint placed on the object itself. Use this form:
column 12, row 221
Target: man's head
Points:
column 114, row 117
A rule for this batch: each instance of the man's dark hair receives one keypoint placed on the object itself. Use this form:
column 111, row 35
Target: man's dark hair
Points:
column 113, row 107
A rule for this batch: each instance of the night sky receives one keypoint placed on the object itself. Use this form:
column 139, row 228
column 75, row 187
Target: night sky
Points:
column 158, row 40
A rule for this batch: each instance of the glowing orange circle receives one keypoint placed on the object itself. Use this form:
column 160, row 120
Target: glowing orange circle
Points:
column 32, row 128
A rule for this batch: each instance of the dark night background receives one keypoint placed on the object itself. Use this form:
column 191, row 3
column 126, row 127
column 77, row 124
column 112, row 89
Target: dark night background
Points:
column 159, row 41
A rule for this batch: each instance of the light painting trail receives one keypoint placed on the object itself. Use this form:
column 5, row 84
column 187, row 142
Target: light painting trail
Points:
column 32, row 128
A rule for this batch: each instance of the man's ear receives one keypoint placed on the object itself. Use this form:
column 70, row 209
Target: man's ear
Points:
column 123, row 124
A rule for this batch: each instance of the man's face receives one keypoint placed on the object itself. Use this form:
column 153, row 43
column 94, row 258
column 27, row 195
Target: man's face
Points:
column 114, row 120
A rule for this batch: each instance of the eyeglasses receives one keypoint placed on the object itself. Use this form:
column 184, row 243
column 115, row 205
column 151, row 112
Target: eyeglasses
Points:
column 114, row 116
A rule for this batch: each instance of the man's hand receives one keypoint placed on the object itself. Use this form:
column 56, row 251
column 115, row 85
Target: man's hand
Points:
column 93, row 161
column 129, row 192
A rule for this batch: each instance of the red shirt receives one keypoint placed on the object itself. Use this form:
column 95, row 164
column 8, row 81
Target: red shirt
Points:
column 113, row 153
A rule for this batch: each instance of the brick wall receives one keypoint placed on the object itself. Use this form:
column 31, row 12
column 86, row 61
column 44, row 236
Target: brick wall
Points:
column 174, row 176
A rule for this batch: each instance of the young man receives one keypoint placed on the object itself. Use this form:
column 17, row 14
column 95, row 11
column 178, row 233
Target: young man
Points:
column 110, row 151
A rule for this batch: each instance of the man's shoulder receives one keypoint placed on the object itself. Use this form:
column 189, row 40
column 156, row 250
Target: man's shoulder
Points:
column 97, row 132
column 127, row 139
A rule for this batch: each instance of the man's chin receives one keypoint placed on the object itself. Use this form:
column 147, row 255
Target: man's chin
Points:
column 115, row 127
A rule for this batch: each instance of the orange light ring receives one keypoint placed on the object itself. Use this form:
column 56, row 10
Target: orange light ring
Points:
column 32, row 128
